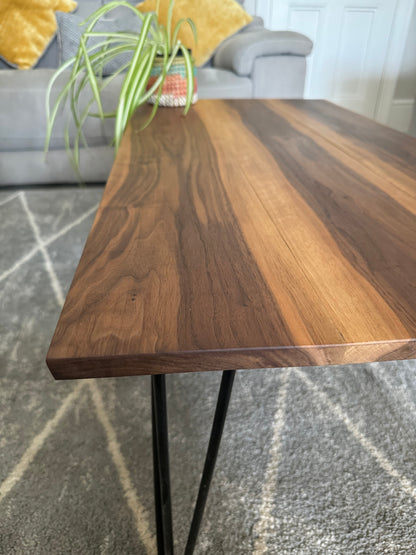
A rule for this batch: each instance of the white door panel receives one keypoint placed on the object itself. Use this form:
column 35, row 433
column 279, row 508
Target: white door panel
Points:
column 311, row 21
column 358, row 46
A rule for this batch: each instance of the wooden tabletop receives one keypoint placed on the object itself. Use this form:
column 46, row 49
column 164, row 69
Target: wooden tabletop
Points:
column 248, row 234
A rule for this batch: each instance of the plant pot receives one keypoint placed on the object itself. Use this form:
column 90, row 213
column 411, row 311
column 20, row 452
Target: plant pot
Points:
column 174, row 87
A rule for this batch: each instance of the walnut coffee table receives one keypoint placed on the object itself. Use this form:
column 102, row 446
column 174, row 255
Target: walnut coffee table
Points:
column 249, row 234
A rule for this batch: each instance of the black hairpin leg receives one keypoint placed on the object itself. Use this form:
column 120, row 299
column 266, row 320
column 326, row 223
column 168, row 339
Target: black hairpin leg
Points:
column 213, row 447
column 161, row 462
column 161, row 467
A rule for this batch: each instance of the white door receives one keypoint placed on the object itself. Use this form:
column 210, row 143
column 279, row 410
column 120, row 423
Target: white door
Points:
column 358, row 46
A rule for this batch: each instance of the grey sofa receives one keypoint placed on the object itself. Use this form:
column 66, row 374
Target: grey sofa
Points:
column 254, row 63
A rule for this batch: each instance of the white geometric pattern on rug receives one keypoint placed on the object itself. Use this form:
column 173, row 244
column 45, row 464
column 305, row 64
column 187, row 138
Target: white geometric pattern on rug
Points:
column 139, row 512
column 131, row 496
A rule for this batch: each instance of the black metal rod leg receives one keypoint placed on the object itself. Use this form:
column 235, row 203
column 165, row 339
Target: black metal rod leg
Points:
column 157, row 494
column 163, row 505
column 213, row 447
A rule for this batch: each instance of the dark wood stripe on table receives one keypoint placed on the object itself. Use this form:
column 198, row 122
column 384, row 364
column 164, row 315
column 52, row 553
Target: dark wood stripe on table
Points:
column 357, row 154
column 375, row 233
column 237, row 238
column 228, row 282
column 397, row 149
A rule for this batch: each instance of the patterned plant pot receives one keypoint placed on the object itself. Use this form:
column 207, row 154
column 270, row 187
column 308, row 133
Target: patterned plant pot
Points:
column 174, row 87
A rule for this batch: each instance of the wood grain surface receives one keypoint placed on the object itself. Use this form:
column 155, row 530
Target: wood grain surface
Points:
column 249, row 234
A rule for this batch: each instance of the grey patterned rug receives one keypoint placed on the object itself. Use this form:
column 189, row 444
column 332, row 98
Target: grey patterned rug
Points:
column 312, row 460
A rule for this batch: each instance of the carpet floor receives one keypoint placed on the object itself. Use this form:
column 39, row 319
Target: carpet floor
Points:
column 313, row 460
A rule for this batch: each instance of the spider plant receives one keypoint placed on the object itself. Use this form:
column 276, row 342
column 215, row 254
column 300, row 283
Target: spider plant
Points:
column 86, row 68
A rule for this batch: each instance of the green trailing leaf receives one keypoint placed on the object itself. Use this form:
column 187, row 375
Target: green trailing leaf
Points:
column 92, row 77
column 154, row 110
column 169, row 22
column 189, row 68
column 142, row 81
column 121, row 119
column 86, row 80
column 51, row 115
column 78, row 135
column 187, row 21
column 126, row 109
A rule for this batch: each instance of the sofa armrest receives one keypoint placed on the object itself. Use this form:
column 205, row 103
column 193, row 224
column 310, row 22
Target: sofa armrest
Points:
column 240, row 51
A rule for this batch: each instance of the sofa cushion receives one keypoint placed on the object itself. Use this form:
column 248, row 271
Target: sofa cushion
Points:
column 70, row 30
column 30, row 167
column 215, row 20
column 239, row 52
column 255, row 25
column 219, row 83
column 23, row 124
column 26, row 29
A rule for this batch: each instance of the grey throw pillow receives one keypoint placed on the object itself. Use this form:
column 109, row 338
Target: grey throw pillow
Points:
column 254, row 25
column 70, row 31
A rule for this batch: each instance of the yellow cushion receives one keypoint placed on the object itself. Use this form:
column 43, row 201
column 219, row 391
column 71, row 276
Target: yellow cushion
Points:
column 27, row 27
column 215, row 20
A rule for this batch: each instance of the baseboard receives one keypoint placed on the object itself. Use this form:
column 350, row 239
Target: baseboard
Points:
column 401, row 113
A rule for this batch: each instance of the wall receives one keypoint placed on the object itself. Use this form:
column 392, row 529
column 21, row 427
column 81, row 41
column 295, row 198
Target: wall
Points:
column 403, row 110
